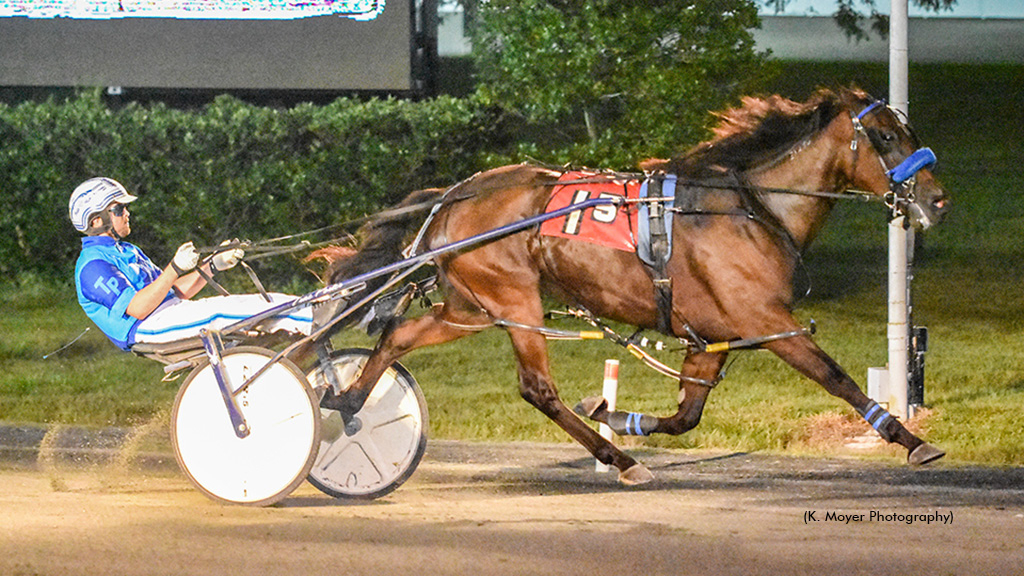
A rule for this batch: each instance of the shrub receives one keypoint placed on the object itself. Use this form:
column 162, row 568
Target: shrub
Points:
column 227, row 170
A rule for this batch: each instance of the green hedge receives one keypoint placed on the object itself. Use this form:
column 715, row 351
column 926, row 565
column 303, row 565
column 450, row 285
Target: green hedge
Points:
column 227, row 170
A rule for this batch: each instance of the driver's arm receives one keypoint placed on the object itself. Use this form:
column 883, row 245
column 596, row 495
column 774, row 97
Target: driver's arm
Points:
column 190, row 284
column 147, row 299
column 174, row 277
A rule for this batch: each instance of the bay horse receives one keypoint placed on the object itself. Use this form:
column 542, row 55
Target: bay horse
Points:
column 783, row 164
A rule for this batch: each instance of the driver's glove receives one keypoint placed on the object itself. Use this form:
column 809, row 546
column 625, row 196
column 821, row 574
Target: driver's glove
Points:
column 227, row 259
column 185, row 258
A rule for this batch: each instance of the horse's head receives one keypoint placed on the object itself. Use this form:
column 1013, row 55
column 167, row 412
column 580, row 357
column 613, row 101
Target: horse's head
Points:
column 888, row 160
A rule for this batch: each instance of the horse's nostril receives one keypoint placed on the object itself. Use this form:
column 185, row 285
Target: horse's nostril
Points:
column 940, row 204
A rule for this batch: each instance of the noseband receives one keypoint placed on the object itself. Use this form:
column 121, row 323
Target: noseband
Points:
column 902, row 177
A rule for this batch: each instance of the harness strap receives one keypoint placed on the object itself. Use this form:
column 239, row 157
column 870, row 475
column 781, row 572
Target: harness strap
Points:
column 660, row 247
column 264, row 248
column 413, row 248
column 223, row 291
column 868, row 109
column 210, row 281
column 255, row 281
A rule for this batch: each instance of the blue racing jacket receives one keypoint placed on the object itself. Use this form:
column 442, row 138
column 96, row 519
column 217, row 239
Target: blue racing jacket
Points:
column 107, row 276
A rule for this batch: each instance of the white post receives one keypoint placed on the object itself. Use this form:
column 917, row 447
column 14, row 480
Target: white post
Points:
column 610, row 390
column 900, row 239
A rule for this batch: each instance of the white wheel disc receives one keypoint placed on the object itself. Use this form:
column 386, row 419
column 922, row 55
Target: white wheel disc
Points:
column 390, row 440
column 281, row 413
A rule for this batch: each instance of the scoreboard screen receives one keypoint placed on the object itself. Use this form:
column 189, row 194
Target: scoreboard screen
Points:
column 247, row 9
column 335, row 45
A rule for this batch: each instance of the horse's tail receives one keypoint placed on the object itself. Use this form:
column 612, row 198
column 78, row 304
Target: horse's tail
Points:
column 381, row 241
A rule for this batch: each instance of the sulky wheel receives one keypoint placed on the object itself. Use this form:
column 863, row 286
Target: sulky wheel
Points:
column 281, row 414
column 383, row 445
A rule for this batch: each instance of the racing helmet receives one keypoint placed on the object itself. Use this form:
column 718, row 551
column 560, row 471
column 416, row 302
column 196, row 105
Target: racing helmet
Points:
column 90, row 199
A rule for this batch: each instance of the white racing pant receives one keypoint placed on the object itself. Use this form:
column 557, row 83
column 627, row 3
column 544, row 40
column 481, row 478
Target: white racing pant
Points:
column 180, row 319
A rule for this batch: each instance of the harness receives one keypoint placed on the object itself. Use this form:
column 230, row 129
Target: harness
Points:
column 682, row 197
column 665, row 194
column 654, row 244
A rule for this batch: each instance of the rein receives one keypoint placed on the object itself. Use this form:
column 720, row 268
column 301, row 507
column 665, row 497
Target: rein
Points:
column 902, row 178
column 637, row 177
column 256, row 250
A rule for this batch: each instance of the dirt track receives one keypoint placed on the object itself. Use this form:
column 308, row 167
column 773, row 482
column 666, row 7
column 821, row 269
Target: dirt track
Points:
column 526, row 509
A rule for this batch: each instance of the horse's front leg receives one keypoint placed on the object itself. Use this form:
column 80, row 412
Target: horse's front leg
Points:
column 537, row 388
column 699, row 374
column 804, row 355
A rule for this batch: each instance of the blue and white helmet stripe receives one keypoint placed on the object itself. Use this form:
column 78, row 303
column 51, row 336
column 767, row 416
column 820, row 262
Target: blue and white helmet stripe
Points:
column 91, row 197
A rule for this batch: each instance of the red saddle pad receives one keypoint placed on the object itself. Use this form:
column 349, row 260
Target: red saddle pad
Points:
column 607, row 225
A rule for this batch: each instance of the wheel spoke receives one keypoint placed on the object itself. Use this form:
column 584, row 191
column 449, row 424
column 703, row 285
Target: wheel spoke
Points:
column 390, row 441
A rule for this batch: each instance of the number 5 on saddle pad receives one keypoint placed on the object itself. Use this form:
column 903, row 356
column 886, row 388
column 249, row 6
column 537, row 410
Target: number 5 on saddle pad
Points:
column 621, row 228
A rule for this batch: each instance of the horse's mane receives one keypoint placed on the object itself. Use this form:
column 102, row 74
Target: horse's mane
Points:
column 756, row 133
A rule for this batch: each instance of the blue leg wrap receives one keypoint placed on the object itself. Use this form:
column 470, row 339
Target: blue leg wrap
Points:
column 878, row 417
column 632, row 423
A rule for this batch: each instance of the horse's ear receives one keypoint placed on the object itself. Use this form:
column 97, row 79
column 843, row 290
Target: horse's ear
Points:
column 854, row 94
column 652, row 164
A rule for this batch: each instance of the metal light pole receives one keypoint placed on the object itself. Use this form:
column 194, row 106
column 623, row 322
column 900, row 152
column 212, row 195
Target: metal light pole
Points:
column 901, row 239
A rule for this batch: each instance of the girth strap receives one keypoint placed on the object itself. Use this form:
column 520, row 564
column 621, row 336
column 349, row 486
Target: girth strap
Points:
column 655, row 245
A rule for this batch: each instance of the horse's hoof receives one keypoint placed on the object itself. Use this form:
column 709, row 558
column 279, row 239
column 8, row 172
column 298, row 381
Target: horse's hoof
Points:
column 331, row 401
column 924, row 454
column 635, row 474
column 590, row 406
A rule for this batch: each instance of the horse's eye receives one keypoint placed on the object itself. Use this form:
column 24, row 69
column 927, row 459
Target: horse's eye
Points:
column 882, row 139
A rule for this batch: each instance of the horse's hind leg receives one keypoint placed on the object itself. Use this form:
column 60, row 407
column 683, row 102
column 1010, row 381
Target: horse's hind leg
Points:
column 445, row 323
column 804, row 355
column 699, row 374
column 448, row 323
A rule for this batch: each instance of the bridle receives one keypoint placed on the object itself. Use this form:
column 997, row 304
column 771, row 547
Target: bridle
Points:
column 903, row 176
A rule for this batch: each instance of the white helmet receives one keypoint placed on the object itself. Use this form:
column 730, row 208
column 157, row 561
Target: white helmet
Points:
column 91, row 198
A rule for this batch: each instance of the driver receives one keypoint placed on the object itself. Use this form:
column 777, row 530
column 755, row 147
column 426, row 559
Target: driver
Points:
column 132, row 300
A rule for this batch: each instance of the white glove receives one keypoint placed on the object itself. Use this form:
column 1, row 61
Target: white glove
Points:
column 185, row 258
column 228, row 259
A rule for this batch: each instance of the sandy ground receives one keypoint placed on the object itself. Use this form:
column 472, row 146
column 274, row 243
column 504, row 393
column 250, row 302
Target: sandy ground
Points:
column 523, row 509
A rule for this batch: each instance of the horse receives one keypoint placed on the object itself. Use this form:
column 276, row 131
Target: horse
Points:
column 758, row 192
